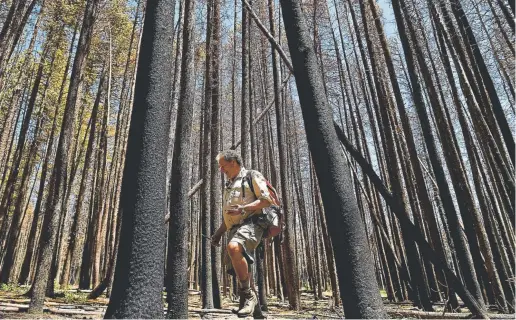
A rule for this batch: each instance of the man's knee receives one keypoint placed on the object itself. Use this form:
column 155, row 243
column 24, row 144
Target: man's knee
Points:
column 234, row 248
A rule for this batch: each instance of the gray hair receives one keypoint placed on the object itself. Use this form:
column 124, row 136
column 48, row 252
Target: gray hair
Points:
column 230, row 155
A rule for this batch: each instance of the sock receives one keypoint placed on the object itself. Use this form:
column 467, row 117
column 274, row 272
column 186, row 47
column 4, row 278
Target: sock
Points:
column 244, row 284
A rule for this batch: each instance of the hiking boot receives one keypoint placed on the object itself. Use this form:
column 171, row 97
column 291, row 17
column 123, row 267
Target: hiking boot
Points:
column 240, row 303
column 258, row 313
column 250, row 302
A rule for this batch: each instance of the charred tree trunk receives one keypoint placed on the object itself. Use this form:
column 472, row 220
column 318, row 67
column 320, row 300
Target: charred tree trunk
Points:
column 361, row 298
column 244, row 111
column 215, row 196
column 206, row 159
column 138, row 282
column 177, row 260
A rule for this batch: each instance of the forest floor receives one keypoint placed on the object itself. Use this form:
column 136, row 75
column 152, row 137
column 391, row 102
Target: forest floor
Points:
column 74, row 304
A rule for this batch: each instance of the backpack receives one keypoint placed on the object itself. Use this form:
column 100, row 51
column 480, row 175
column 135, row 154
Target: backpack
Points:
column 270, row 220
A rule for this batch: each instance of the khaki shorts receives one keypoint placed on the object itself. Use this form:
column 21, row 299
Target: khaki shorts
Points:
column 248, row 235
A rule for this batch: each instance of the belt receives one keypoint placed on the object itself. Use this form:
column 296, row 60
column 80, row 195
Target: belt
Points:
column 254, row 218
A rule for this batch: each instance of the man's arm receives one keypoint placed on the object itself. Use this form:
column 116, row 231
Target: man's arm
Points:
column 253, row 206
column 257, row 205
column 222, row 228
column 215, row 239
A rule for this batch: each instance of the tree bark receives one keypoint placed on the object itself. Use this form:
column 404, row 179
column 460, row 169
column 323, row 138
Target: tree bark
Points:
column 361, row 299
column 177, row 260
column 138, row 282
column 206, row 159
column 215, row 176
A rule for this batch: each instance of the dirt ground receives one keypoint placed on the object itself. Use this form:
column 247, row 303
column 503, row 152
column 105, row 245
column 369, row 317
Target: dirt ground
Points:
column 72, row 304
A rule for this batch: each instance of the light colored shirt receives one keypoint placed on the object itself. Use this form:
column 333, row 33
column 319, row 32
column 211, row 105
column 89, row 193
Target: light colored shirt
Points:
column 234, row 194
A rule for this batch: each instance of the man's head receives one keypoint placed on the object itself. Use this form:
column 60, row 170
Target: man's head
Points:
column 229, row 163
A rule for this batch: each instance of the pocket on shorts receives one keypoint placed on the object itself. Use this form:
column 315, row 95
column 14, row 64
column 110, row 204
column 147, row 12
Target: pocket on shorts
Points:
column 251, row 234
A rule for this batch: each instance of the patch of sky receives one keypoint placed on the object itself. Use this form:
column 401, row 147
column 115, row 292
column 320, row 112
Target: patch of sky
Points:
column 389, row 23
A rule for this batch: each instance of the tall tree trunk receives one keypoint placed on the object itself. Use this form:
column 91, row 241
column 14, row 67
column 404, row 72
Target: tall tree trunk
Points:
column 177, row 260
column 244, row 110
column 100, row 198
column 84, row 268
column 361, row 298
column 206, row 159
column 293, row 277
column 233, row 78
column 125, row 130
column 215, row 196
column 138, row 282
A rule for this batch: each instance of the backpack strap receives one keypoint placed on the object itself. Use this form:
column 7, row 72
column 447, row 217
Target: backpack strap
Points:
column 249, row 178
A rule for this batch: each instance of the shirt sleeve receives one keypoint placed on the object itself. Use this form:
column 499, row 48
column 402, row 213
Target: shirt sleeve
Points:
column 261, row 191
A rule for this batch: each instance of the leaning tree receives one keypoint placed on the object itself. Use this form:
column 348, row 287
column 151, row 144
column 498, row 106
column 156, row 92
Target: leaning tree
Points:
column 360, row 294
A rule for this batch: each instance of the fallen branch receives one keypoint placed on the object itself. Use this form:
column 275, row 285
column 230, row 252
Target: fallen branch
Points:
column 197, row 310
column 439, row 315
column 2, row 308
column 325, row 316
column 76, row 312
column 14, row 300
column 23, row 307
column 406, row 303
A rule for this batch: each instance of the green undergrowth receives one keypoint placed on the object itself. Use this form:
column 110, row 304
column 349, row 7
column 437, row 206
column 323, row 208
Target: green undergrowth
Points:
column 13, row 288
column 74, row 297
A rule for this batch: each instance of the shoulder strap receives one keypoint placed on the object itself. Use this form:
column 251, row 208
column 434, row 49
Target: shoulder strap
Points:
column 249, row 177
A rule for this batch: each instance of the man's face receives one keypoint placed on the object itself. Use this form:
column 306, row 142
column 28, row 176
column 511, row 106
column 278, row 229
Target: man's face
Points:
column 228, row 167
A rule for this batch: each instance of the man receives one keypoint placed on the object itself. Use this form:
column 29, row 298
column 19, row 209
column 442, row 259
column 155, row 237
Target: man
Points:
column 241, row 208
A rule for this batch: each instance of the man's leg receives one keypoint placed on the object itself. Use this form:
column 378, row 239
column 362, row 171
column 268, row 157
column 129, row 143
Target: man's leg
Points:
column 248, row 298
column 236, row 253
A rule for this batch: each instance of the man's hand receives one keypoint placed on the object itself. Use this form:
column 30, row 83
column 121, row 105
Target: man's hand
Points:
column 215, row 239
column 236, row 210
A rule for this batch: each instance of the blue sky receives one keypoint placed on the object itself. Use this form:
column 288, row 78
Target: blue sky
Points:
column 388, row 15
